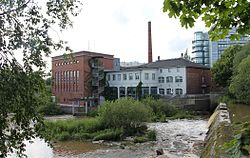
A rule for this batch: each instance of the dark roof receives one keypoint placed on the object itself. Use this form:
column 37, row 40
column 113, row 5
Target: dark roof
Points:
column 169, row 63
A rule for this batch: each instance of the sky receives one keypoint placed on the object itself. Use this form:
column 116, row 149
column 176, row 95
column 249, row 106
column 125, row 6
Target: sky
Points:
column 119, row 27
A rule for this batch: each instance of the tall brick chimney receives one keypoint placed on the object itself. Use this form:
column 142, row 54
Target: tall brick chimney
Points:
column 149, row 43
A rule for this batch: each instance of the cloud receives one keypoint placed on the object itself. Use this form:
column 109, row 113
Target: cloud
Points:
column 119, row 27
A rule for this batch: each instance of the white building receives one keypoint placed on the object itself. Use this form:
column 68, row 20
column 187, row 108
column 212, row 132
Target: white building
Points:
column 165, row 77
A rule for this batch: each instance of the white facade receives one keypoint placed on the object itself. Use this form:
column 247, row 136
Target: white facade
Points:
column 163, row 81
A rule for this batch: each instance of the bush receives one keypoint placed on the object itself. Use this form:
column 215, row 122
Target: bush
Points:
column 77, row 128
column 125, row 113
column 51, row 108
column 110, row 134
column 160, row 109
column 151, row 135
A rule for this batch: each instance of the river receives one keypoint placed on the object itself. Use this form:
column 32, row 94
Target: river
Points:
column 177, row 138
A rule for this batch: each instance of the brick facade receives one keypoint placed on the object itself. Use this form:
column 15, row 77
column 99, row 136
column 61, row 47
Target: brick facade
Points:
column 72, row 78
column 198, row 80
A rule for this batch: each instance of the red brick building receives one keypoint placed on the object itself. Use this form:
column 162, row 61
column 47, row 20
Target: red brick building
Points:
column 79, row 75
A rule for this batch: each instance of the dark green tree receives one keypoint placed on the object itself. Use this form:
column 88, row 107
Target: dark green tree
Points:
column 24, row 32
column 241, row 82
column 219, row 15
column 222, row 69
column 242, row 54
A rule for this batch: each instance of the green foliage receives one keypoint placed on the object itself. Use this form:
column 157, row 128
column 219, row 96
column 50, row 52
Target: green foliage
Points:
column 219, row 15
column 222, row 69
column 25, row 26
column 236, row 147
column 239, row 56
column 151, row 135
column 51, row 108
column 110, row 134
column 125, row 113
column 182, row 115
column 160, row 109
column 78, row 129
column 139, row 91
column 241, row 82
column 140, row 139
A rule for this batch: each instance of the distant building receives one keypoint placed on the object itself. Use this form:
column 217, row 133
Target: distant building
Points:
column 206, row 52
column 130, row 64
column 218, row 47
column 201, row 48
column 164, row 77
column 81, row 76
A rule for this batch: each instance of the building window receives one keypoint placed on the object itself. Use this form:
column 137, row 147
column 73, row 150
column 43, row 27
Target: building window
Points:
column 145, row 91
column 146, row 76
column 161, row 91
column 169, row 79
column 178, row 78
column 153, row 76
column 137, row 76
column 122, row 91
column 160, row 70
column 153, row 90
column 178, row 91
column 113, row 77
column 178, row 69
column 161, row 79
column 119, row 77
column 130, row 76
column 169, row 70
column 131, row 92
column 124, row 76
column 169, row 91
column 108, row 77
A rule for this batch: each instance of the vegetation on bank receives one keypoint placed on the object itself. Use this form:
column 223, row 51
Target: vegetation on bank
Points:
column 232, row 72
column 115, row 120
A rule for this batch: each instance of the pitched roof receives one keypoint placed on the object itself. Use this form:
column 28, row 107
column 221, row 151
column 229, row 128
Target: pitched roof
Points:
column 169, row 63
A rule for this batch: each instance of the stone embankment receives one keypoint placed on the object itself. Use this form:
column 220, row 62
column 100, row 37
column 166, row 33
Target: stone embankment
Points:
column 219, row 132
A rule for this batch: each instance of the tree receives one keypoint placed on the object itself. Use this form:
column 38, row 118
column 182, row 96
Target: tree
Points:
column 219, row 15
column 222, row 69
column 24, row 32
column 241, row 82
column 242, row 54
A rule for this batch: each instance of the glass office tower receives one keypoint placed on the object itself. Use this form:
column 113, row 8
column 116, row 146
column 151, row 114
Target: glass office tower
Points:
column 201, row 48
column 206, row 52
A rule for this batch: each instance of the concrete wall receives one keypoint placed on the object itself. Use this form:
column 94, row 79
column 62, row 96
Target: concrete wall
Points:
column 220, row 131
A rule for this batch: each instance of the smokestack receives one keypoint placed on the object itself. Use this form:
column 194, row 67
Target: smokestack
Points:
column 149, row 43
column 159, row 58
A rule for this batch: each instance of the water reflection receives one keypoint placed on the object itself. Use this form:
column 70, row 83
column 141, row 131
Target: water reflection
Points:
column 38, row 149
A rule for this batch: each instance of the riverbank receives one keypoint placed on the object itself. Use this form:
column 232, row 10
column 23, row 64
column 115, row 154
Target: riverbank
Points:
column 177, row 138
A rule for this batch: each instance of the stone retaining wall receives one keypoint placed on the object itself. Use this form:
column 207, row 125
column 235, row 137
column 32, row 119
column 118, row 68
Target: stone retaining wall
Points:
column 219, row 132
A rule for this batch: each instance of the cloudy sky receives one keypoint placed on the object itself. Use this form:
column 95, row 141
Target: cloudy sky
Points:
column 119, row 27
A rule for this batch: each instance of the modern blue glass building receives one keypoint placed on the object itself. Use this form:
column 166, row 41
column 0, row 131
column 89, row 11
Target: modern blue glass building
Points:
column 206, row 52
column 201, row 48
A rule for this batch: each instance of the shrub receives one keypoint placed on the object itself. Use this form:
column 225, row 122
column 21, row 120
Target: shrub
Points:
column 151, row 135
column 110, row 134
column 63, row 136
column 160, row 109
column 125, row 113
column 140, row 139
column 51, row 108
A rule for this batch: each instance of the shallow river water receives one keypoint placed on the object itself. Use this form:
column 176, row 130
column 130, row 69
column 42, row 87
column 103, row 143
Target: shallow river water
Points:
column 177, row 138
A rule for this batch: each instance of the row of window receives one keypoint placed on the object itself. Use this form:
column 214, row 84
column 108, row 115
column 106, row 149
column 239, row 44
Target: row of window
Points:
column 131, row 76
column 66, row 63
column 66, row 81
column 169, row 91
column 131, row 91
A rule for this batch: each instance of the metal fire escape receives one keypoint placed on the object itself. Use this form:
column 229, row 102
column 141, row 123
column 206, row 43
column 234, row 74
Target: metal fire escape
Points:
column 97, row 77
